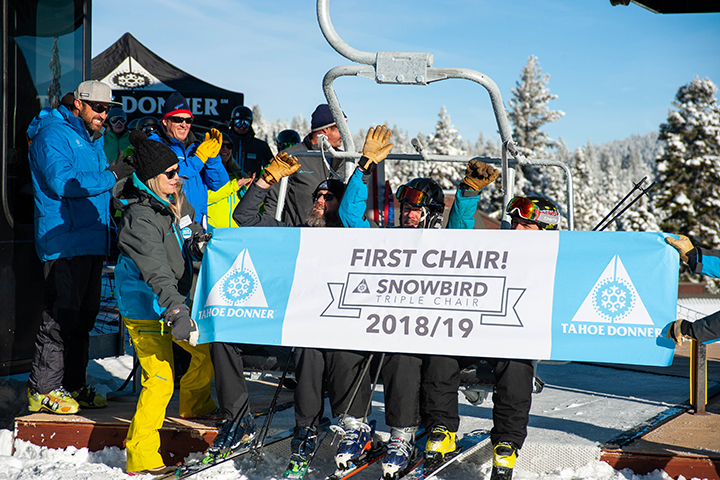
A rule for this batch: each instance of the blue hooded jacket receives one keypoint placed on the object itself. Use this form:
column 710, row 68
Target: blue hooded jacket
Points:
column 71, row 185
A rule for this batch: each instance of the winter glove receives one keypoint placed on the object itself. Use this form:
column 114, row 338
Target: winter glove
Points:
column 684, row 247
column 680, row 329
column 479, row 174
column 197, row 244
column 376, row 148
column 281, row 166
column 122, row 168
column 184, row 328
column 210, row 148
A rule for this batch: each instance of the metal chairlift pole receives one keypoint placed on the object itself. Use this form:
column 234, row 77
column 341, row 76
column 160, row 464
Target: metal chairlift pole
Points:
column 412, row 68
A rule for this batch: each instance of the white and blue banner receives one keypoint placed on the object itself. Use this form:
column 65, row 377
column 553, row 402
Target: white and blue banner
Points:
column 580, row 296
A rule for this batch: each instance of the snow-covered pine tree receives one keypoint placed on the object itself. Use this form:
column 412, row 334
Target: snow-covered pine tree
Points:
column 688, row 196
column 445, row 141
column 528, row 113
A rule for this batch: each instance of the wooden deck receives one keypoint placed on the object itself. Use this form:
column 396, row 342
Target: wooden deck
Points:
column 108, row 427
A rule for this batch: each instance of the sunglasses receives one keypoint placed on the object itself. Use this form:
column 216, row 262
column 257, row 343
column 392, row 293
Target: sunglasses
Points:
column 229, row 146
column 176, row 119
column 241, row 123
column 171, row 173
column 416, row 198
column 282, row 146
column 116, row 120
column 97, row 107
column 329, row 197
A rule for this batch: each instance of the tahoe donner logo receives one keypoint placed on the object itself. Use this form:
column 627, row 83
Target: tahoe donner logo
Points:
column 612, row 300
column 239, row 287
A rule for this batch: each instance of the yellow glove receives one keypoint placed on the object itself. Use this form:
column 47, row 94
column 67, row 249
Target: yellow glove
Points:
column 479, row 174
column 281, row 166
column 376, row 148
column 210, row 147
column 683, row 245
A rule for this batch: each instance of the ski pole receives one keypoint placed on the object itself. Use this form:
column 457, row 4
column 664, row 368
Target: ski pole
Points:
column 365, row 369
column 257, row 448
column 635, row 187
column 374, row 386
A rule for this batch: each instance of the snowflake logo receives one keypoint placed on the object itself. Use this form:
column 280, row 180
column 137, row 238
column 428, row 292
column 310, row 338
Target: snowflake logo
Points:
column 238, row 285
column 613, row 299
column 131, row 80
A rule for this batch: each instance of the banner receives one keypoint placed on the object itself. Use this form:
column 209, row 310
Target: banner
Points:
column 578, row 296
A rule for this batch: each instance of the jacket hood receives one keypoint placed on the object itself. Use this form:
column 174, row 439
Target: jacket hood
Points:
column 50, row 116
column 131, row 190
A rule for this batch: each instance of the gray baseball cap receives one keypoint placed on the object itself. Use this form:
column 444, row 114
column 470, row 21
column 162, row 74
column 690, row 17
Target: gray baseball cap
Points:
column 95, row 91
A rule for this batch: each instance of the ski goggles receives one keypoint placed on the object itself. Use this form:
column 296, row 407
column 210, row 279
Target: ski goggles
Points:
column 241, row 123
column 282, row 146
column 116, row 120
column 529, row 210
column 414, row 197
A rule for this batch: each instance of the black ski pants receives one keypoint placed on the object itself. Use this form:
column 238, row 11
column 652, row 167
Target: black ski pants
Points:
column 72, row 302
column 336, row 371
column 512, row 398
column 230, row 385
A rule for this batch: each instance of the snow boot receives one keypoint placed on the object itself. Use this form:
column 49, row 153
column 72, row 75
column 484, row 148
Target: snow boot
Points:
column 440, row 443
column 504, row 457
column 398, row 452
column 356, row 440
column 232, row 436
column 58, row 401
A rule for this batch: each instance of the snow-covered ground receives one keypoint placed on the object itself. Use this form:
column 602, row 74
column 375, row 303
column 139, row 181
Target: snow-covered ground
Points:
column 582, row 406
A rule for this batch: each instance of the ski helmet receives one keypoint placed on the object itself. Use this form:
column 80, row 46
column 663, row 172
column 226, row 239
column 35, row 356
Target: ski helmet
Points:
column 426, row 194
column 538, row 210
column 241, row 117
column 286, row 139
column 147, row 124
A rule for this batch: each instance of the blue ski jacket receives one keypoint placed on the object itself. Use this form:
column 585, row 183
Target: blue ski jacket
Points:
column 71, row 186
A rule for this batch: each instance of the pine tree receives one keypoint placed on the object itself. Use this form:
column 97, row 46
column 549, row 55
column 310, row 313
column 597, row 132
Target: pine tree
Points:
column 445, row 141
column 689, row 167
column 528, row 113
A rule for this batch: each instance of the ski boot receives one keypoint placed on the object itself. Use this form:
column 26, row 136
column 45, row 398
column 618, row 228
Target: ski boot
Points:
column 356, row 440
column 302, row 447
column 504, row 457
column 232, row 436
column 58, row 401
column 440, row 443
column 398, row 452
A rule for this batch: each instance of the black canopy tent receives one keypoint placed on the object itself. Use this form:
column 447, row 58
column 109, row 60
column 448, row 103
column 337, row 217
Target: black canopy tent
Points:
column 142, row 81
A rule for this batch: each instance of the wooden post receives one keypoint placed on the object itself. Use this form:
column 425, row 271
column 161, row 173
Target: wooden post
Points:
column 698, row 376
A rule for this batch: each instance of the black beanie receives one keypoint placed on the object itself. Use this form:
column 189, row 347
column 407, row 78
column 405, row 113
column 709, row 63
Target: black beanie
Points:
column 150, row 158
column 175, row 103
column 336, row 187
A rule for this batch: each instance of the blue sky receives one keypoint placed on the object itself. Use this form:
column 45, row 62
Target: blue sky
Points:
column 615, row 69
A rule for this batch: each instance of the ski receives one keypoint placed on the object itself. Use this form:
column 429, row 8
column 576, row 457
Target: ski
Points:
column 467, row 445
column 191, row 468
column 297, row 469
column 373, row 455
column 416, row 460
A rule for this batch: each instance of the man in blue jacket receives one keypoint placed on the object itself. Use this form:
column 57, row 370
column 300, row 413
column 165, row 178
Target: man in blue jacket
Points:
column 200, row 162
column 71, row 185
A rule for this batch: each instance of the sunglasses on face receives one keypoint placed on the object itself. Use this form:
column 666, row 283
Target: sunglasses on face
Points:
column 116, row 120
column 327, row 196
column 97, row 107
column 241, row 123
column 170, row 174
column 229, row 146
column 176, row 119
